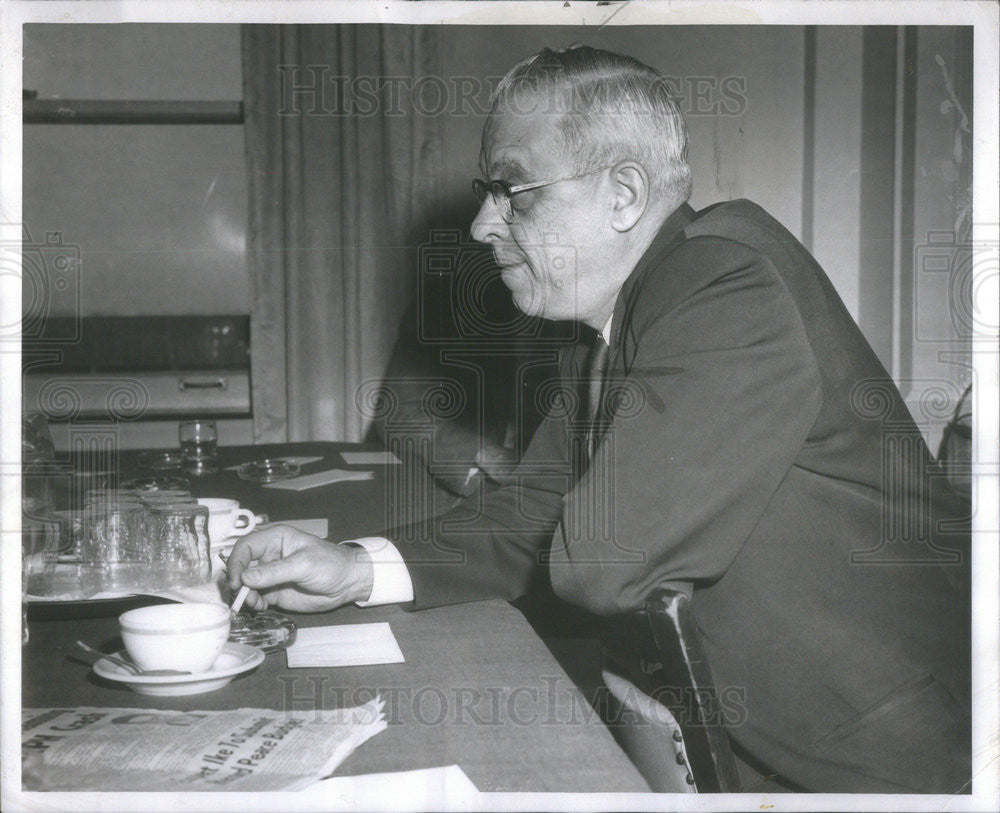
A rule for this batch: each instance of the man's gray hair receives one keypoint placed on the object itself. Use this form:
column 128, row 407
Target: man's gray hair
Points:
column 611, row 107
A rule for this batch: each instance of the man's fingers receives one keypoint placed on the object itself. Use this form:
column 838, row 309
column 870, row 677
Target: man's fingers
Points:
column 254, row 547
column 255, row 601
column 288, row 568
column 291, row 570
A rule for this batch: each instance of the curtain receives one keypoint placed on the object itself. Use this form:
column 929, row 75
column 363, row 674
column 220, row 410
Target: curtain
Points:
column 339, row 167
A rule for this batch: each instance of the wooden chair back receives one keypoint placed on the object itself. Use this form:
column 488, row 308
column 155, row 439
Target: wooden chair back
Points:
column 653, row 661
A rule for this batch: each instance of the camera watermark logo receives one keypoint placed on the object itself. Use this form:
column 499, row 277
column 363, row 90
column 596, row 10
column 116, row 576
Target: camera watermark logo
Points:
column 911, row 485
column 408, row 412
column 49, row 271
column 463, row 296
column 86, row 411
column 964, row 274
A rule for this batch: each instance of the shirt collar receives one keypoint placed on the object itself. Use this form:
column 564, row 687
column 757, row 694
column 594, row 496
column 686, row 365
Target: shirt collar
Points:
column 606, row 330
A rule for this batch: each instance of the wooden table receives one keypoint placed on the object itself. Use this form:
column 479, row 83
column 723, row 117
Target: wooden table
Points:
column 478, row 688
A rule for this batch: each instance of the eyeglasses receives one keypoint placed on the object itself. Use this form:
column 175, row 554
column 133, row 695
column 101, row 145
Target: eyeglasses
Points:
column 502, row 192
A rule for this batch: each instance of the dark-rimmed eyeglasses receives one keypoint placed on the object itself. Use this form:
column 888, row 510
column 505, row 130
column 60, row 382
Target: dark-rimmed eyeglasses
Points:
column 502, row 192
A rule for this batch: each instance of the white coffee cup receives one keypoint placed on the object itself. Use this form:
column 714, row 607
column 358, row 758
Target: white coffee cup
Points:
column 226, row 519
column 176, row 636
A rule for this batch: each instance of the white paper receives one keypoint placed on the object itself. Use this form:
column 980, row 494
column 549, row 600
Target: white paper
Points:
column 66, row 588
column 369, row 458
column 344, row 645
column 426, row 789
column 320, row 478
column 106, row 749
column 316, row 527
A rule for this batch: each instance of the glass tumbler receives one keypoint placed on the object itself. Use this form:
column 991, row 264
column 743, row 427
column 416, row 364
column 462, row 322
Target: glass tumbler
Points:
column 39, row 553
column 199, row 446
column 165, row 497
column 114, row 554
column 110, row 494
column 37, row 463
column 70, row 532
column 180, row 555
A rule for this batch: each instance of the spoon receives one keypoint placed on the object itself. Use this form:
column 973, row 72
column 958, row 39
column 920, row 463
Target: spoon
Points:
column 131, row 667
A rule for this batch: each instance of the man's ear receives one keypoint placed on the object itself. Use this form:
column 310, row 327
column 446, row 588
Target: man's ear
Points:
column 631, row 194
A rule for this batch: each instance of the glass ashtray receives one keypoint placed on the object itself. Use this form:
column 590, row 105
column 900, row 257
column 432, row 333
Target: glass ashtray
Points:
column 149, row 485
column 169, row 460
column 267, row 470
column 265, row 630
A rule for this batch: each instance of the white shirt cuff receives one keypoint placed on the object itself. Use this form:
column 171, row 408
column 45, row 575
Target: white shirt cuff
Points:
column 392, row 584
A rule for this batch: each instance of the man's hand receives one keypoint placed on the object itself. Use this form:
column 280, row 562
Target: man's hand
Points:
column 297, row 571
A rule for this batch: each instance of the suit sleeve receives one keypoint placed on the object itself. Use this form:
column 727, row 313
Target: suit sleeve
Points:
column 490, row 545
column 717, row 402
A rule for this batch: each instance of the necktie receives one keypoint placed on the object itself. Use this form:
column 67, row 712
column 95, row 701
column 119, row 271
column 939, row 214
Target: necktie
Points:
column 596, row 368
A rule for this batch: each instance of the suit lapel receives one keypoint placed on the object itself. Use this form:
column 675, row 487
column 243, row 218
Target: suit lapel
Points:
column 623, row 339
column 573, row 359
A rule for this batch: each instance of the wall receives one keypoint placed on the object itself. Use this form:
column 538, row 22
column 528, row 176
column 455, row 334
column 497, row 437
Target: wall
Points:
column 933, row 343
column 158, row 212
column 835, row 196
column 158, row 241
column 732, row 155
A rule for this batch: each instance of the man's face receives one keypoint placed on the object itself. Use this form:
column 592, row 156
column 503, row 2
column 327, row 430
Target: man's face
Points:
column 554, row 256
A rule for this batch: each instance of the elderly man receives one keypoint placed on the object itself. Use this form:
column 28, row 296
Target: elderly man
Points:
column 748, row 441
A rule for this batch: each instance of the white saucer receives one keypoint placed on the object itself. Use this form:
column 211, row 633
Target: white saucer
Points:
column 234, row 660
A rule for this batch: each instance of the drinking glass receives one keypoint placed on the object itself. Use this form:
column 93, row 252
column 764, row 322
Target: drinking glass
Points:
column 37, row 461
column 105, row 494
column 114, row 556
column 199, row 446
column 158, row 482
column 39, row 554
column 180, row 546
column 166, row 496
column 70, row 532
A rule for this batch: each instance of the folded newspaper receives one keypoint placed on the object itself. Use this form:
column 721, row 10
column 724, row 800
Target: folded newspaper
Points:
column 101, row 749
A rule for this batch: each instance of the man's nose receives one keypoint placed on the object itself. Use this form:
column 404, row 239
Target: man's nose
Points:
column 488, row 227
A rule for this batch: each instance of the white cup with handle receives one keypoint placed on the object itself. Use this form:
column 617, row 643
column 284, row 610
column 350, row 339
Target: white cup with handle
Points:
column 226, row 520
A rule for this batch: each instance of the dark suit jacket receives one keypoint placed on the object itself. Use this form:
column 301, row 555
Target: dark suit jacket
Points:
column 757, row 448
